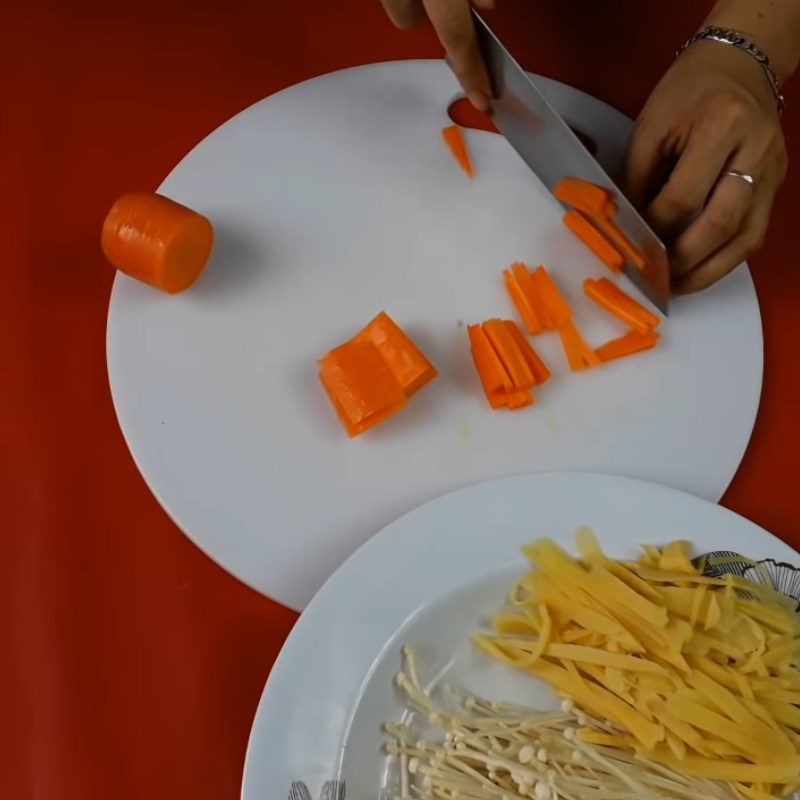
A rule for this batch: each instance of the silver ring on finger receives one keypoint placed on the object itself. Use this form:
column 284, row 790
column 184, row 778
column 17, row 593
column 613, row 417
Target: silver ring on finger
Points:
column 742, row 176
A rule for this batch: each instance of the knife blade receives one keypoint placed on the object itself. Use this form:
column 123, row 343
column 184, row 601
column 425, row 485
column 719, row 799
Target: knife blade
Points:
column 548, row 146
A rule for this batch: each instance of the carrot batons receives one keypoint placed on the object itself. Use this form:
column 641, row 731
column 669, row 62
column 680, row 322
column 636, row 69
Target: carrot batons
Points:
column 507, row 365
column 594, row 240
column 630, row 343
column 579, row 355
column 454, row 139
column 621, row 305
column 589, row 199
column 536, row 298
column 156, row 240
column 370, row 377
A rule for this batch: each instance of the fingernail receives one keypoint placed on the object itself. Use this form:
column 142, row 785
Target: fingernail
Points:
column 480, row 101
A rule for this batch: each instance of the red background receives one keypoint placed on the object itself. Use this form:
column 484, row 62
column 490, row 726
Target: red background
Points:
column 131, row 664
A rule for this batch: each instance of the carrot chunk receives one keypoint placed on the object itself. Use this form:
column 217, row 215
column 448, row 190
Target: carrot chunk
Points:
column 360, row 386
column 630, row 343
column 156, row 240
column 495, row 380
column 454, row 139
column 579, row 354
column 595, row 201
column 537, row 367
column 594, row 240
column 409, row 366
column 621, row 305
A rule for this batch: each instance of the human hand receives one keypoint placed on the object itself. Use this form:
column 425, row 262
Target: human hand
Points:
column 712, row 111
column 452, row 21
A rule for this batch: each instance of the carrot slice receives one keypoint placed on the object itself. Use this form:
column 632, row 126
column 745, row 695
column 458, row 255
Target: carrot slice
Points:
column 558, row 311
column 620, row 304
column 409, row 366
column 530, row 288
column 630, row 343
column 156, row 240
column 594, row 240
column 522, row 303
column 537, row 367
column 509, row 353
column 586, row 197
column 495, row 380
column 458, row 147
column 360, row 386
column 621, row 242
column 579, row 354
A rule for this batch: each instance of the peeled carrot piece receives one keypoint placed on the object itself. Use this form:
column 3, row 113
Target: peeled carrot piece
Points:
column 495, row 380
column 458, row 147
column 360, row 386
column 630, row 343
column 579, row 354
column 622, row 242
column 409, row 366
column 586, row 197
column 558, row 312
column 530, row 288
column 594, row 240
column 620, row 304
column 519, row 399
column 537, row 367
column 156, row 240
column 522, row 303
column 509, row 353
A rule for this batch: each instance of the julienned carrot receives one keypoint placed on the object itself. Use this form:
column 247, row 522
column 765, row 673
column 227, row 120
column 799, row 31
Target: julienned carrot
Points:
column 630, row 343
column 594, row 240
column 530, row 288
column 409, row 366
column 558, row 312
column 537, row 367
column 509, row 353
column 579, row 354
column 620, row 304
column 360, row 385
column 522, row 303
column 621, row 242
column 454, row 139
column 496, row 382
column 157, row 240
column 586, row 197
column 519, row 399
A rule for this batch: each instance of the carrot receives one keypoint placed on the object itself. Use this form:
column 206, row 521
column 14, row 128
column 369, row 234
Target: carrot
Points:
column 579, row 354
column 595, row 201
column 409, row 366
column 157, row 240
column 620, row 304
column 522, row 303
column 537, row 367
column 495, row 380
column 360, row 386
column 621, row 242
column 530, row 288
column 594, row 240
column 509, row 353
column 558, row 311
column 630, row 343
column 454, row 139
column 519, row 399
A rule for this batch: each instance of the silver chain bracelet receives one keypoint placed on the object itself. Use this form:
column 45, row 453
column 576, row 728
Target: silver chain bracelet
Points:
column 740, row 41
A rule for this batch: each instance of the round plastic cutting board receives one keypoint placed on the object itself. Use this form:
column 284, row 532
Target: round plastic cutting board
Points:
column 336, row 199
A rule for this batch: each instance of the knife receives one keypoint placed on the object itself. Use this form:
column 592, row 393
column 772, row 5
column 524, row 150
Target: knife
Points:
column 549, row 147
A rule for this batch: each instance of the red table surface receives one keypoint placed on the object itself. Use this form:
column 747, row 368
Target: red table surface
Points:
column 132, row 665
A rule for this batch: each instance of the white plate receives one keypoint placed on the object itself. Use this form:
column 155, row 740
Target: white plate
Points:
column 333, row 200
column 431, row 578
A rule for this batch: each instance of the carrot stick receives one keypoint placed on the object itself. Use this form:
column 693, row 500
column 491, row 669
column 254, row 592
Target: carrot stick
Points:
column 458, row 147
column 621, row 242
column 519, row 399
column 630, row 343
column 495, row 380
column 509, row 353
column 579, row 354
column 537, row 367
column 409, row 366
column 522, row 303
column 156, row 240
column 620, row 304
column 588, row 198
column 594, row 240
column 558, row 311
column 360, row 385
column 530, row 288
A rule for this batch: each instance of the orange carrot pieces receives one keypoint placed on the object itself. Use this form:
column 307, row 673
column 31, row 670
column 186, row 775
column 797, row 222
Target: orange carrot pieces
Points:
column 156, row 240
column 530, row 288
column 409, row 366
column 509, row 353
column 522, row 303
column 595, row 201
column 579, row 354
column 458, row 147
column 619, row 240
column 360, row 385
column 494, row 378
column 519, row 399
column 594, row 240
column 620, row 304
column 630, row 343
column 558, row 311
column 537, row 367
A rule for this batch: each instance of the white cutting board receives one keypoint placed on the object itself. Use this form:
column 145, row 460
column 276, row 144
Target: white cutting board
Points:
column 336, row 199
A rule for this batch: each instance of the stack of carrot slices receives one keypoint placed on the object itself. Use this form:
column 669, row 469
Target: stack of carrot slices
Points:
column 371, row 377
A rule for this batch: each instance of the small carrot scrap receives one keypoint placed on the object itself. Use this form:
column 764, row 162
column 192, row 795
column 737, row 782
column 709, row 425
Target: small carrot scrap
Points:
column 594, row 240
column 360, row 386
column 538, row 368
column 579, row 354
column 454, row 139
column 590, row 199
column 409, row 366
column 156, row 240
column 497, row 383
column 621, row 305
column 630, row 343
